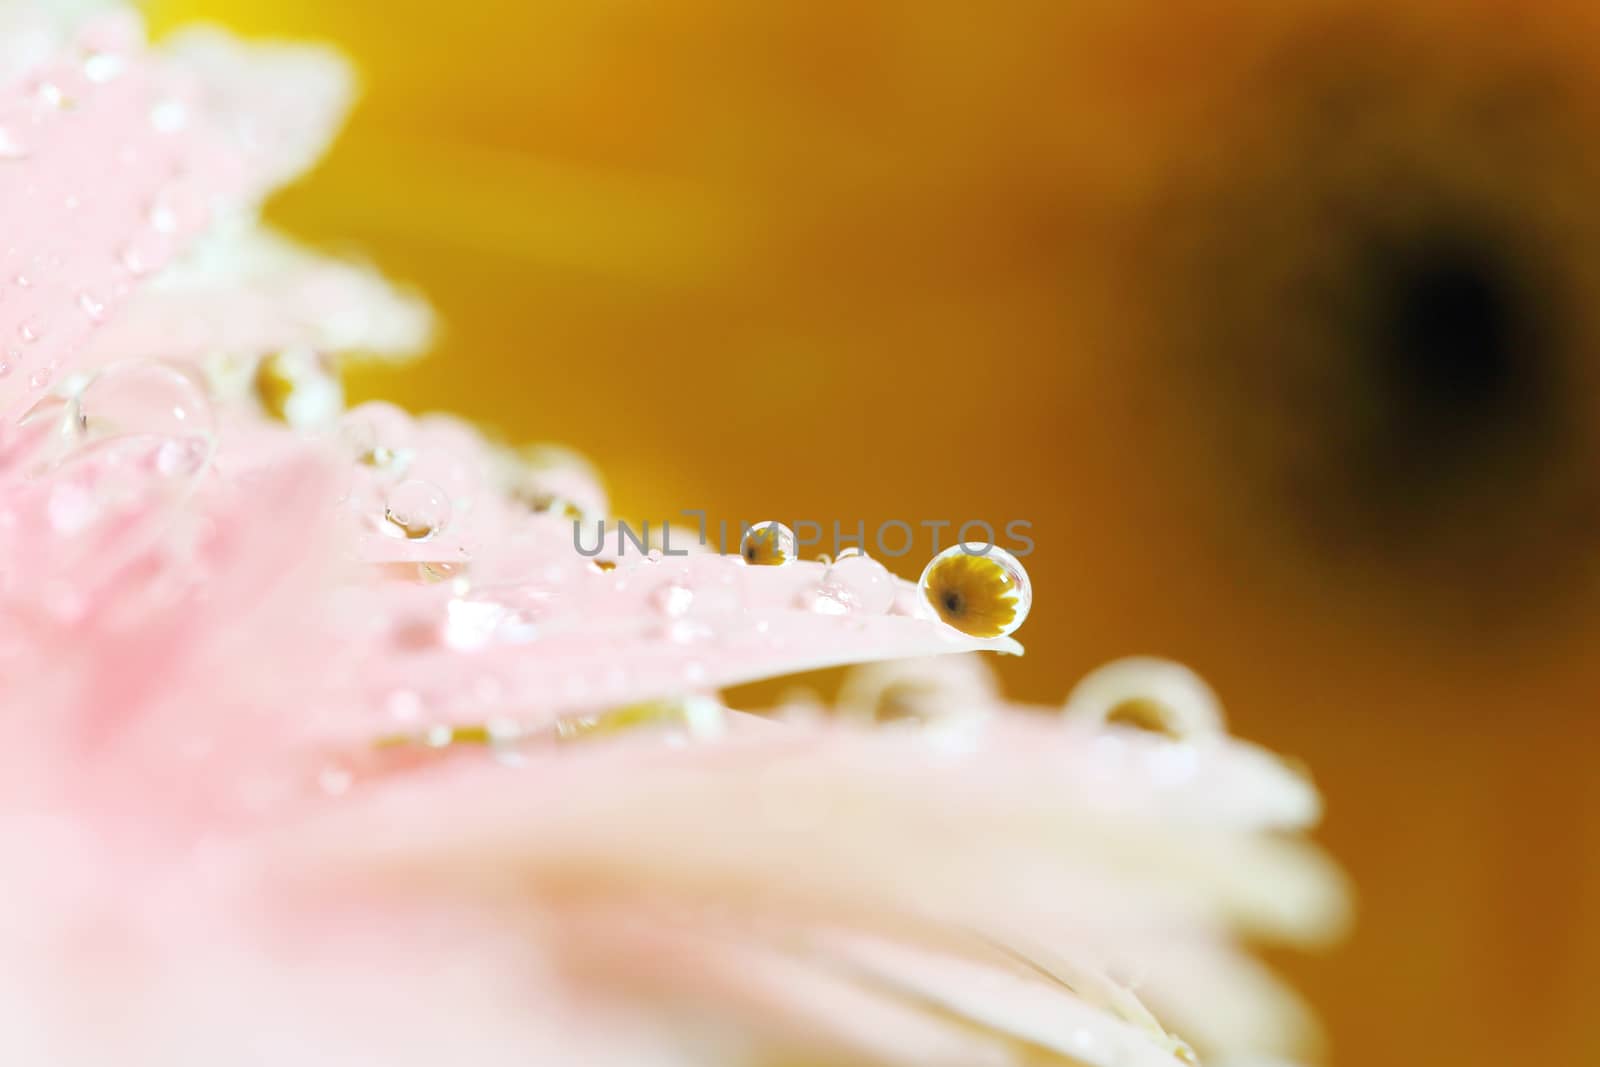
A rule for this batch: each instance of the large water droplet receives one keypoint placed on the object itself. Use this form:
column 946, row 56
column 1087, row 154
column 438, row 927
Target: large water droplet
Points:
column 142, row 398
column 857, row 583
column 978, row 588
column 769, row 544
column 416, row 510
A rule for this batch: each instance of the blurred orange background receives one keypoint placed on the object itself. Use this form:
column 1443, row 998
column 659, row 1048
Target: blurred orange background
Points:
column 1275, row 320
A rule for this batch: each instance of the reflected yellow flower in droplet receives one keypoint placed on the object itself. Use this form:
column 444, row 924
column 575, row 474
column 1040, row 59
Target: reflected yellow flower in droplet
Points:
column 975, row 594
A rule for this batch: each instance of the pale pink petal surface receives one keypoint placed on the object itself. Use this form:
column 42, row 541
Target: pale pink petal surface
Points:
column 310, row 718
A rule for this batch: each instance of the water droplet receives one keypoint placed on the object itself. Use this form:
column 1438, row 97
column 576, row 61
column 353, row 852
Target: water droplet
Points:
column 5, row 368
column 978, row 588
column 858, row 583
column 92, row 306
column 768, row 544
column 28, row 331
column 471, row 623
column 23, row 281
column 674, row 599
column 416, row 510
column 376, row 434
column 40, row 378
column 144, row 398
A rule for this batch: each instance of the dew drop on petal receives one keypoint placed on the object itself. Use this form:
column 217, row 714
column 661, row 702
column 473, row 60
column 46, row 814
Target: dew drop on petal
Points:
column 377, row 435
column 860, row 582
column 298, row 386
column 92, row 306
column 768, row 544
column 674, row 599
column 142, row 398
column 169, row 116
column 416, row 510
column 978, row 588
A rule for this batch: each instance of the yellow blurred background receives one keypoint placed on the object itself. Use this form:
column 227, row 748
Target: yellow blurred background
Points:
column 1276, row 319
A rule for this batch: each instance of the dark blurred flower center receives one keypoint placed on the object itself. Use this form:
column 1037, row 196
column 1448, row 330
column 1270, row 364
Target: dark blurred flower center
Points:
column 1453, row 342
column 1449, row 332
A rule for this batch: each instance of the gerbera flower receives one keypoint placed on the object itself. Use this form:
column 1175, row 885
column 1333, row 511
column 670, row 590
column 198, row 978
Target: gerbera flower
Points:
column 320, row 746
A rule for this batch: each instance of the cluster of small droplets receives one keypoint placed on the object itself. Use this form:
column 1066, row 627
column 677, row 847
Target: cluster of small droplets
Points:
column 976, row 587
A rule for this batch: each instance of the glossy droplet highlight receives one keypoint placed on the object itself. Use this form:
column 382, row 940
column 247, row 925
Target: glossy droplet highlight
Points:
column 92, row 306
column 416, row 510
column 977, row 588
column 674, row 599
column 768, row 544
